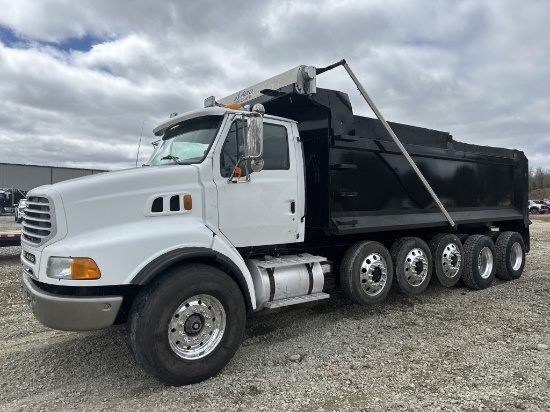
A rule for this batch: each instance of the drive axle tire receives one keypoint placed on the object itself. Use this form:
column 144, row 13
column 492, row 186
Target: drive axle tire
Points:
column 448, row 255
column 493, row 235
column 479, row 262
column 510, row 254
column 366, row 273
column 462, row 237
column 412, row 260
column 187, row 324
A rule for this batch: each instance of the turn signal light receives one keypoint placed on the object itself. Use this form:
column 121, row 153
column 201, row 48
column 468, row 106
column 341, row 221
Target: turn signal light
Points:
column 84, row 268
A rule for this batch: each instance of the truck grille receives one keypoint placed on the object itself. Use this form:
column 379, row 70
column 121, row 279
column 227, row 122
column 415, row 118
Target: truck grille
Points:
column 39, row 220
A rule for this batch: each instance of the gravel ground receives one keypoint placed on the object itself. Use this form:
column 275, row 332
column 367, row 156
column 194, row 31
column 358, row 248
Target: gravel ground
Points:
column 448, row 349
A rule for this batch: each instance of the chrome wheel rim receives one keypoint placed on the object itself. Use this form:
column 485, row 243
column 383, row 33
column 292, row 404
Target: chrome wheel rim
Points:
column 451, row 260
column 374, row 274
column 416, row 267
column 516, row 256
column 485, row 262
column 196, row 327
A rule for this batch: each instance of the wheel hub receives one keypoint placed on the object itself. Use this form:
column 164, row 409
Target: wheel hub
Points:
column 485, row 262
column 416, row 267
column 452, row 260
column 193, row 324
column 196, row 327
column 374, row 274
column 516, row 256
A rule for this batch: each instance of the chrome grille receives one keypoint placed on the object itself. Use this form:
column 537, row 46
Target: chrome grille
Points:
column 39, row 220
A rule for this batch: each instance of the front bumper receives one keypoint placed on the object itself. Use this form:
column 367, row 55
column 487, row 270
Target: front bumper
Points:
column 74, row 313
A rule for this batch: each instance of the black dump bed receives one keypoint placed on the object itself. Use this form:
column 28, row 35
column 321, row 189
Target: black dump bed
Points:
column 358, row 181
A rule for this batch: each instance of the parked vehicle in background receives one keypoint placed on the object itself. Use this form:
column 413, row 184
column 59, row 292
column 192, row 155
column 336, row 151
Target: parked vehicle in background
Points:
column 9, row 198
column 5, row 200
column 20, row 210
column 538, row 207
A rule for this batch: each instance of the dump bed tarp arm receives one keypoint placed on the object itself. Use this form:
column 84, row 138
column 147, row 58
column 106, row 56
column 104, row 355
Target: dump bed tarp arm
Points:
column 393, row 136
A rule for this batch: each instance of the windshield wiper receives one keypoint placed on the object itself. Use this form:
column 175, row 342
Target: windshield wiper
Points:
column 172, row 158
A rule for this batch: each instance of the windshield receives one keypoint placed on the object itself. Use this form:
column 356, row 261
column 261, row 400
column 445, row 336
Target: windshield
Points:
column 186, row 142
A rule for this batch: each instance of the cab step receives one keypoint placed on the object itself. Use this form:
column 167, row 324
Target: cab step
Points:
column 296, row 300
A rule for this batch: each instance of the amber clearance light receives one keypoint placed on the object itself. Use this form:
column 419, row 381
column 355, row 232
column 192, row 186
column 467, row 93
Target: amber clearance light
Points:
column 234, row 106
column 187, row 202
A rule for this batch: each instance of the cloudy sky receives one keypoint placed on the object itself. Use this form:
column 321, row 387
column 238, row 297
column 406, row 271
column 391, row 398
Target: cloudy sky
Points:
column 78, row 80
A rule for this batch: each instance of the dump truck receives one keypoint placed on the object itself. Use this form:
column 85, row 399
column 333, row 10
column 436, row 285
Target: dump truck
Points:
column 270, row 197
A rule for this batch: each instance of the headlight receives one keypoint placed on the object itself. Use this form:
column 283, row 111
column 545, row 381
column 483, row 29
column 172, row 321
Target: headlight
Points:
column 72, row 268
column 59, row 268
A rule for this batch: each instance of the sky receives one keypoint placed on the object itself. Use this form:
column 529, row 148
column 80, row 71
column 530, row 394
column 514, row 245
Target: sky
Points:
column 82, row 83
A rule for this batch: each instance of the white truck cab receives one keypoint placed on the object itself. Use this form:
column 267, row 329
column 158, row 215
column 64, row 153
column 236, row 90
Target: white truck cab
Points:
column 89, row 243
column 173, row 203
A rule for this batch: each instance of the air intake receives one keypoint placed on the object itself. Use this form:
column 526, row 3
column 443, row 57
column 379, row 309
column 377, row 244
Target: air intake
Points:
column 38, row 224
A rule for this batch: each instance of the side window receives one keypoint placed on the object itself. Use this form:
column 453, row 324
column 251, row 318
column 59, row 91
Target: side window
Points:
column 275, row 148
column 233, row 148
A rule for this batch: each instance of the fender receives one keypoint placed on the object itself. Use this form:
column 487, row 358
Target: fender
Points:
column 157, row 266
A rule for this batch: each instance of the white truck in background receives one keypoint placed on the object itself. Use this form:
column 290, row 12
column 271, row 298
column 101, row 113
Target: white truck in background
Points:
column 238, row 211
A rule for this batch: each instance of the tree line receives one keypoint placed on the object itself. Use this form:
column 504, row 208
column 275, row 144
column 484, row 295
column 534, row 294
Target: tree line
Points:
column 539, row 178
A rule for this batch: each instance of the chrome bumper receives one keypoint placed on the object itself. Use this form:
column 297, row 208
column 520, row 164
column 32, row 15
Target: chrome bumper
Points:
column 70, row 312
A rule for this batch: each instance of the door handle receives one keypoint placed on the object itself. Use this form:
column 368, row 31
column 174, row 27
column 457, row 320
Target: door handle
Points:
column 292, row 207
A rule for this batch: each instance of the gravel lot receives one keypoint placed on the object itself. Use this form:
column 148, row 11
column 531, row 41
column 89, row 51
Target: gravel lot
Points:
column 448, row 349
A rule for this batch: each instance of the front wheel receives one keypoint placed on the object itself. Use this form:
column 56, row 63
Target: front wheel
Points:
column 186, row 325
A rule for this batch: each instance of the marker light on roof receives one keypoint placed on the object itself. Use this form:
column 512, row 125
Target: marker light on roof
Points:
column 234, row 106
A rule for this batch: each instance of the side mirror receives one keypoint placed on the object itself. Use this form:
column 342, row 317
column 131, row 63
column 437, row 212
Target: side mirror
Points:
column 254, row 137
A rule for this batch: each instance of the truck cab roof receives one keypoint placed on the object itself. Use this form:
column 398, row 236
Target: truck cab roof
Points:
column 161, row 128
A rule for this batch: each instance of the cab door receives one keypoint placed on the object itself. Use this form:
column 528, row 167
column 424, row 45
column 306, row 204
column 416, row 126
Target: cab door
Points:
column 262, row 211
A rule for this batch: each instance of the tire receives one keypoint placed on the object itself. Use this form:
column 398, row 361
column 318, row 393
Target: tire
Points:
column 534, row 211
column 448, row 256
column 493, row 235
column 510, row 254
column 462, row 237
column 479, row 262
column 194, row 304
column 366, row 273
column 412, row 262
